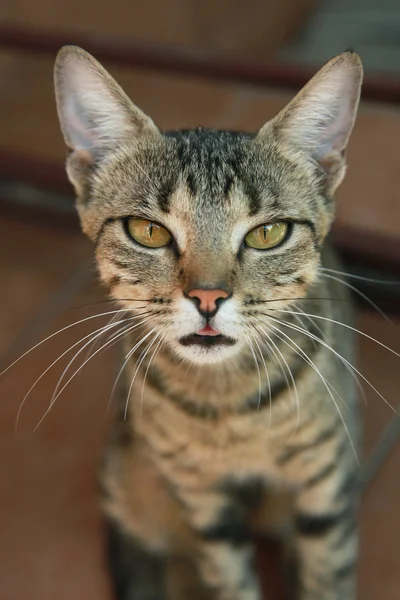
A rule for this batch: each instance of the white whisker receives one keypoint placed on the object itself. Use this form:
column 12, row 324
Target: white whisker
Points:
column 296, row 395
column 158, row 346
column 359, row 293
column 96, row 342
column 342, row 325
column 273, row 355
column 258, row 371
column 325, row 382
column 115, row 336
column 268, row 381
column 292, row 326
column 92, row 334
column 109, row 343
column 118, row 377
column 305, row 357
column 324, row 337
column 137, row 369
column 361, row 278
column 60, row 331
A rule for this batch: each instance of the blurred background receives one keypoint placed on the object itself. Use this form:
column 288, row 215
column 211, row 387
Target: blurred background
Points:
column 218, row 63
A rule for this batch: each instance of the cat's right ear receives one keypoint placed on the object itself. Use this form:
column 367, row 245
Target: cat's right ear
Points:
column 95, row 113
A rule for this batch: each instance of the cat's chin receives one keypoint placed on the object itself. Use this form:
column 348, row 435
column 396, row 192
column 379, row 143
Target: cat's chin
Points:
column 207, row 350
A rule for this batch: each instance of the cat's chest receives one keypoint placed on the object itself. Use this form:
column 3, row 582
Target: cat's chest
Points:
column 239, row 446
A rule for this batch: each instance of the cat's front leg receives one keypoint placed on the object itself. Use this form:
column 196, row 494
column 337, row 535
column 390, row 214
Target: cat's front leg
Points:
column 136, row 573
column 325, row 540
column 222, row 549
column 226, row 570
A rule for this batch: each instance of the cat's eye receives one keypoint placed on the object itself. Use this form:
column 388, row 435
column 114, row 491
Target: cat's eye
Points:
column 266, row 236
column 147, row 233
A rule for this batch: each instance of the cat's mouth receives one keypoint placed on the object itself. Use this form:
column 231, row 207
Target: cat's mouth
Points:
column 206, row 339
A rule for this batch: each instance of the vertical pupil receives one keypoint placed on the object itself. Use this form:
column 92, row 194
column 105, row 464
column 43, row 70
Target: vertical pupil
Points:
column 150, row 230
column 265, row 232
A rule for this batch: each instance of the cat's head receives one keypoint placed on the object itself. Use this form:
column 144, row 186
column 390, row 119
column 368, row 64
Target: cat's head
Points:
column 205, row 227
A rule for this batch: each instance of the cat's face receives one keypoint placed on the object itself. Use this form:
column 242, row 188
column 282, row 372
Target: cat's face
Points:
column 199, row 231
column 209, row 190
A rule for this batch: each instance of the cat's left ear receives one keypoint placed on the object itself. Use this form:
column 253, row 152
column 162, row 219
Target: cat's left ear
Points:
column 320, row 119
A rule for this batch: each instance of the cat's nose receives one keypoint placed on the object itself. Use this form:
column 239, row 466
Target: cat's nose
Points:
column 208, row 300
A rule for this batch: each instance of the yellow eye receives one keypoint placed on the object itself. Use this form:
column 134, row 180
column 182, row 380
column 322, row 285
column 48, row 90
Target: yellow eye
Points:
column 266, row 236
column 147, row 233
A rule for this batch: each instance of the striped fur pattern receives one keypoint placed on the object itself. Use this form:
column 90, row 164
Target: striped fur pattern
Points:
column 210, row 444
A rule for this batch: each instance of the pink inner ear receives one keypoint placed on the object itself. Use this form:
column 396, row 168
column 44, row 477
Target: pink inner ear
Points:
column 334, row 139
column 81, row 136
column 85, row 158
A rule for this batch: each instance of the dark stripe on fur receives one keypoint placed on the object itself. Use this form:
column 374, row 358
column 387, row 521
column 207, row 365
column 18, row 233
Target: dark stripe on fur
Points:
column 227, row 529
column 321, row 475
column 164, row 195
column 346, row 570
column 347, row 529
column 205, row 411
column 254, row 196
column 316, row 525
column 242, row 498
column 136, row 573
column 293, row 451
column 192, row 184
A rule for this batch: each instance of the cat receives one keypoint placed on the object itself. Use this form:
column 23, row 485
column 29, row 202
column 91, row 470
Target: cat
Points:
column 236, row 412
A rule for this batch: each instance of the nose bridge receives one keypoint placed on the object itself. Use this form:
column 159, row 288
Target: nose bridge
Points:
column 207, row 270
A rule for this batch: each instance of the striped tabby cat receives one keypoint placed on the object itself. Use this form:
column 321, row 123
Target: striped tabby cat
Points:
column 236, row 411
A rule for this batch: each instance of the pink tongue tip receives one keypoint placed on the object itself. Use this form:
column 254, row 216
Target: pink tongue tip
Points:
column 208, row 330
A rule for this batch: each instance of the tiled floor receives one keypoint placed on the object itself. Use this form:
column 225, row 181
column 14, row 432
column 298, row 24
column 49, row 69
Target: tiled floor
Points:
column 50, row 543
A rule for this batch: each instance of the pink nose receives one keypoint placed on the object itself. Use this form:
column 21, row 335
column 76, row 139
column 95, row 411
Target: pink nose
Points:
column 208, row 298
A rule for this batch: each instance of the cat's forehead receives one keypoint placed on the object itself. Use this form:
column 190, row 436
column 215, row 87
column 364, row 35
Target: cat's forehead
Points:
column 206, row 178
column 208, row 164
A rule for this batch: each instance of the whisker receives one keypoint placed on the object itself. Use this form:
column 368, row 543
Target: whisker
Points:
column 119, row 374
column 258, row 371
column 268, row 381
column 359, row 293
column 305, row 357
column 342, row 325
column 297, row 401
column 273, row 354
column 93, row 353
column 96, row 342
column 93, row 333
column 299, row 298
column 108, row 344
column 311, row 321
column 117, row 335
column 141, row 169
column 60, row 331
column 105, row 301
column 137, row 369
column 325, row 382
column 292, row 326
column 361, row 278
column 299, row 320
column 158, row 346
column 351, row 372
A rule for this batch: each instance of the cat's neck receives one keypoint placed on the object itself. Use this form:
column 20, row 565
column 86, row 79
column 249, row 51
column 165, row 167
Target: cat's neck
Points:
column 242, row 383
